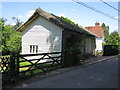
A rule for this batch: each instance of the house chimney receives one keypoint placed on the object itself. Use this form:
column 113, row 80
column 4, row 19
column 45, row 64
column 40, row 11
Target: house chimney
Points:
column 97, row 23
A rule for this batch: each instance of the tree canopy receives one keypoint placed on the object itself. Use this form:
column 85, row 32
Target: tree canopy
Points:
column 114, row 39
column 110, row 38
column 11, row 39
column 106, row 32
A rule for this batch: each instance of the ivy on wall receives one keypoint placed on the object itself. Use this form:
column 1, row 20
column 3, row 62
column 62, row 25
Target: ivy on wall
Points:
column 73, row 50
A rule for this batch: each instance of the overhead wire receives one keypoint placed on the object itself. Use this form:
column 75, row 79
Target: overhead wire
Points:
column 110, row 5
column 94, row 9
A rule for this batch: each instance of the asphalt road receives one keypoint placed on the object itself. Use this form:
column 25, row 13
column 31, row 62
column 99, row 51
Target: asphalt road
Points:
column 100, row 75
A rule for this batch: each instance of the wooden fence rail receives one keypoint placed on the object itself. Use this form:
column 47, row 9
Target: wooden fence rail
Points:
column 43, row 61
column 31, row 62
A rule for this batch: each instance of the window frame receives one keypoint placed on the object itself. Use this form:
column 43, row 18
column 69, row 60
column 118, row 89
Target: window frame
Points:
column 33, row 49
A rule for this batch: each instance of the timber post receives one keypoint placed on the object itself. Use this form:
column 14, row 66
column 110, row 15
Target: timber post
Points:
column 12, row 61
column 17, row 61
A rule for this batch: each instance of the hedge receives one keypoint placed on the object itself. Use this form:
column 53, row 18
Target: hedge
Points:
column 111, row 50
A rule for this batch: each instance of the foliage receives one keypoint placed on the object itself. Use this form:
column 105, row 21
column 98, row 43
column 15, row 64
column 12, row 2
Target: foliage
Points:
column 114, row 39
column 71, row 22
column 11, row 39
column 1, row 27
column 0, row 49
column 6, row 32
column 110, row 39
column 73, row 46
column 2, row 23
column 8, row 78
column 18, row 23
column 111, row 50
column 68, row 20
column 14, row 43
column 73, row 50
column 106, row 32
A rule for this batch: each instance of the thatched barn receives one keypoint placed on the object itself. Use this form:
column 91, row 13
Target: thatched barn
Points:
column 44, row 32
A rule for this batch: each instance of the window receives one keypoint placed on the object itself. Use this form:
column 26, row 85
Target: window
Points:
column 33, row 48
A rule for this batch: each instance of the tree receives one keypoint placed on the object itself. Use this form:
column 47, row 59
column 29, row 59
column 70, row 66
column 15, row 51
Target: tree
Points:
column 114, row 39
column 18, row 23
column 14, row 43
column 2, row 21
column 110, row 39
column 113, row 45
column 11, row 39
column 6, row 32
column 106, row 32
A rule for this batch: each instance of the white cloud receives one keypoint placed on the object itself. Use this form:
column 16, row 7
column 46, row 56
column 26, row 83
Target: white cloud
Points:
column 21, row 16
column 117, row 17
column 61, row 15
column 27, row 15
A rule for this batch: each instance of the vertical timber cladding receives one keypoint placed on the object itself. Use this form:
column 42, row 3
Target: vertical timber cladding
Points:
column 87, row 44
column 67, row 34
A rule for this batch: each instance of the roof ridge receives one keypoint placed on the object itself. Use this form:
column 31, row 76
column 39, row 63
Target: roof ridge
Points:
column 44, row 13
column 56, row 20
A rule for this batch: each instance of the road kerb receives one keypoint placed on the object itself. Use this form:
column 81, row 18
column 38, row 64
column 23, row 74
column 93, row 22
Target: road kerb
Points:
column 100, row 60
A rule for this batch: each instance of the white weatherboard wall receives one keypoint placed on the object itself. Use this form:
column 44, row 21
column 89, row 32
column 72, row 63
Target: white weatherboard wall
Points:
column 99, row 42
column 43, row 33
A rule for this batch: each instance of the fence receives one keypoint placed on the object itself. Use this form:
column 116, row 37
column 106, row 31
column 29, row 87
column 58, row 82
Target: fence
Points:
column 5, row 64
column 42, row 62
column 31, row 62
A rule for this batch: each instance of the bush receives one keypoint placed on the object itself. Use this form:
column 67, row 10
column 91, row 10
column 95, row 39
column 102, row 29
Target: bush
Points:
column 111, row 50
column 72, row 57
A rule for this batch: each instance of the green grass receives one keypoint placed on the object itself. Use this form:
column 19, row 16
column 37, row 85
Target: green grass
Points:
column 8, row 79
column 35, row 72
column 24, row 64
column 34, row 67
column 27, row 63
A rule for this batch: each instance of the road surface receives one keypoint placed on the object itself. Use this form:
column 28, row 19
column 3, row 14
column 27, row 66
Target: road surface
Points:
column 99, row 75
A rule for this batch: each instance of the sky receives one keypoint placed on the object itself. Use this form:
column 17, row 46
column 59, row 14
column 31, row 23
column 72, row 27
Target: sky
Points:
column 76, row 12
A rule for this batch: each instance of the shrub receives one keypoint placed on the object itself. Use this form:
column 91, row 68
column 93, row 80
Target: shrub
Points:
column 72, row 56
column 111, row 50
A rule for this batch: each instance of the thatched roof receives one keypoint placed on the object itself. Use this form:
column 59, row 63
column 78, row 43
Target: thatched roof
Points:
column 56, row 20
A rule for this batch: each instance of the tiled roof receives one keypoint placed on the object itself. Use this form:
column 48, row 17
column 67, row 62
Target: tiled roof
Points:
column 96, row 30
